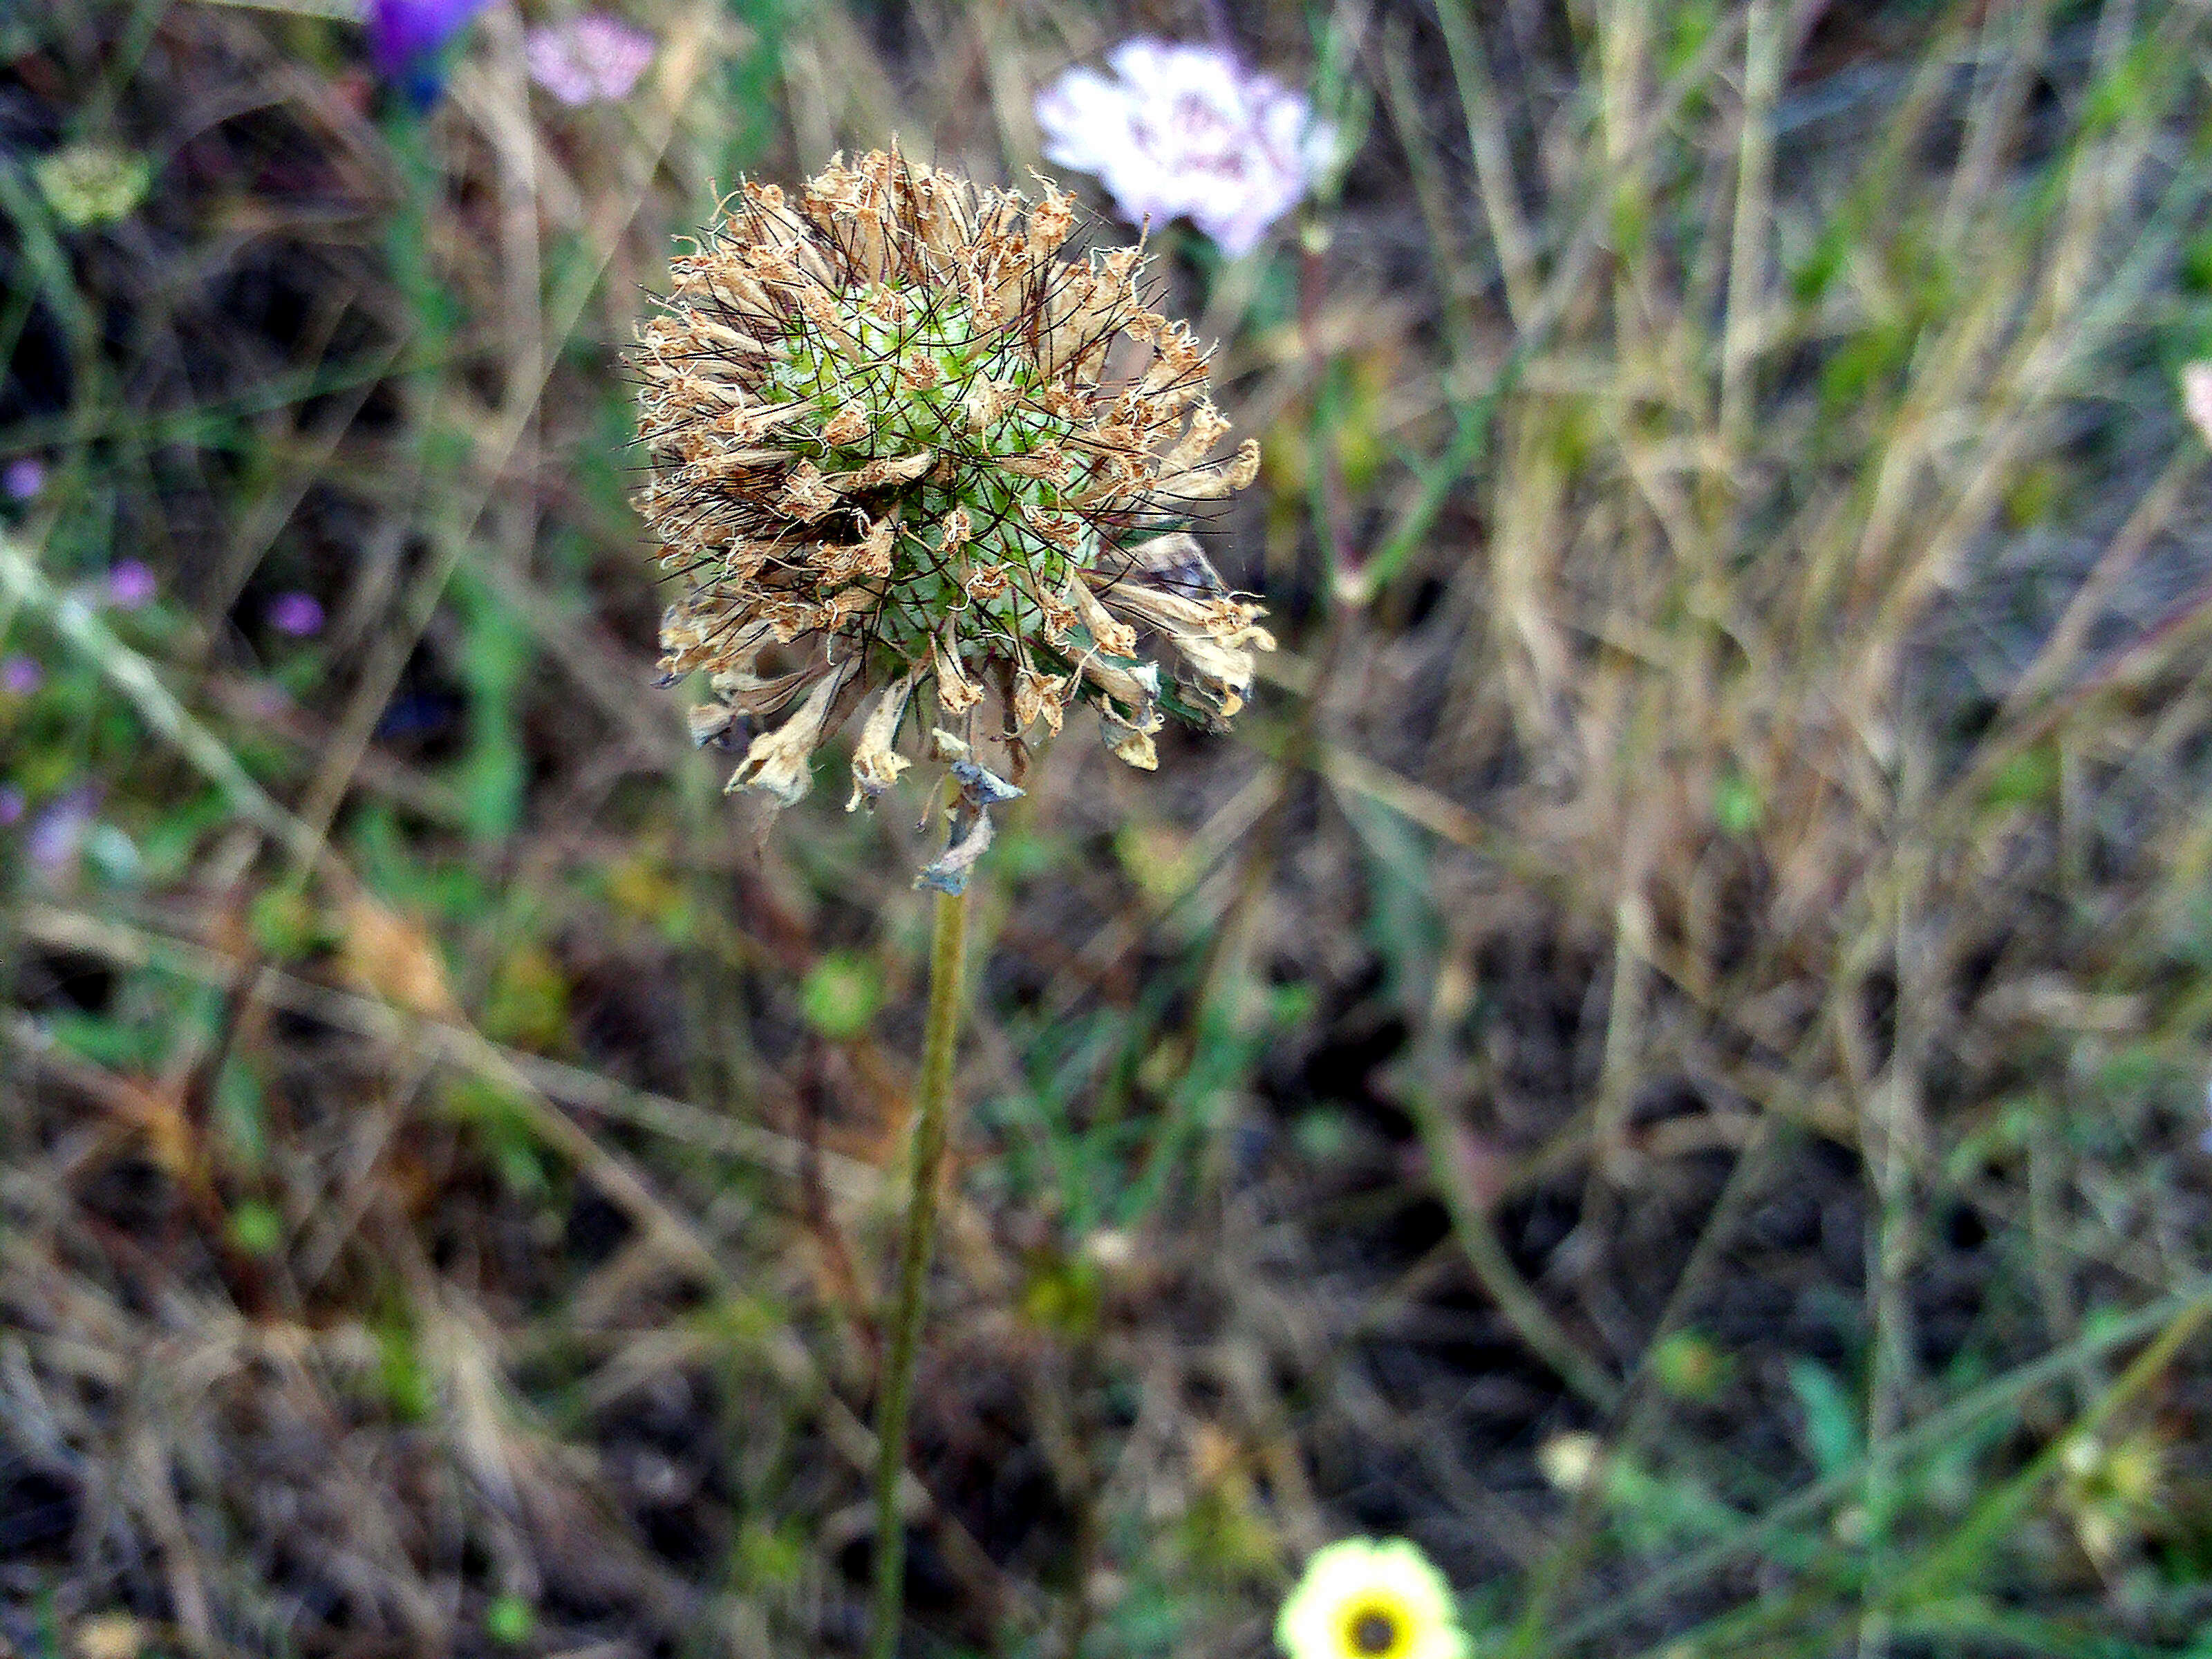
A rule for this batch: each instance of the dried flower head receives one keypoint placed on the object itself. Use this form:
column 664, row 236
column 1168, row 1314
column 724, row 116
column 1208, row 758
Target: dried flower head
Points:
column 900, row 447
column 1184, row 130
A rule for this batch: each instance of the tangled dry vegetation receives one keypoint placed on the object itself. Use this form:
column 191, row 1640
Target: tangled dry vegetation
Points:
column 1665, row 1062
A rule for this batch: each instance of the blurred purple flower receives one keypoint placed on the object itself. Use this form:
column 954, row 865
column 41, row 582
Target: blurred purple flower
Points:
column 300, row 615
column 1187, row 131
column 129, row 585
column 590, row 59
column 22, row 676
column 402, row 33
column 56, row 834
column 24, row 477
column 12, row 803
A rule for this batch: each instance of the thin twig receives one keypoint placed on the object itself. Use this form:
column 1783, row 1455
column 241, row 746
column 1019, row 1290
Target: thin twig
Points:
column 1486, row 1253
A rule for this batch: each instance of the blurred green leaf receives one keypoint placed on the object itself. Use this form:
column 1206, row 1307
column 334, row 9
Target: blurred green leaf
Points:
column 408, row 1392
column 1688, row 1365
column 1739, row 806
column 2196, row 263
column 1832, row 1417
column 241, row 1114
column 117, row 1045
column 509, row 1621
column 1062, row 1294
column 496, row 655
column 283, row 923
column 255, row 1228
column 2029, row 778
column 528, row 1003
column 842, row 993
column 503, row 1124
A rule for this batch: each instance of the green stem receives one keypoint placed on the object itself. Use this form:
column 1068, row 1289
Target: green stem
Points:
column 931, row 1111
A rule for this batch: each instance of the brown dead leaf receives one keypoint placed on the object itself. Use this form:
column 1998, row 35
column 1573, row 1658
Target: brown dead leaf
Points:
column 393, row 957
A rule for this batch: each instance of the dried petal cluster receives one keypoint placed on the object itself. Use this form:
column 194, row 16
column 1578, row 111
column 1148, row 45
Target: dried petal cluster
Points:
column 899, row 446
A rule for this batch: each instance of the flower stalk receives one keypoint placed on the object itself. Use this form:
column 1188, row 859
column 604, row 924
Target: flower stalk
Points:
column 932, row 1112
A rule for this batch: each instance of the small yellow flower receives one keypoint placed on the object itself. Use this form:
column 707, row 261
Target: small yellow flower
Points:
column 1367, row 1600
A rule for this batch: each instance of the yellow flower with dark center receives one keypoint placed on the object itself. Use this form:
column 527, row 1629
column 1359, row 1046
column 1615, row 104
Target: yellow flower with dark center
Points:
column 898, row 448
column 1365, row 1599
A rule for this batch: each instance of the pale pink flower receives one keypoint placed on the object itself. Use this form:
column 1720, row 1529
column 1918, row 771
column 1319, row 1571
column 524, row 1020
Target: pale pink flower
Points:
column 590, row 59
column 1187, row 131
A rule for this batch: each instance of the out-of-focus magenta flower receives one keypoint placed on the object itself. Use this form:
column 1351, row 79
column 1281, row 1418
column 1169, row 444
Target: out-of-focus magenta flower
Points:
column 300, row 615
column 56, row 835
column 22, row 676
column 129, row 585
column 12, row 803
column 590, row 59
column 403, row 34
column 24, row 477
column 1180, row 131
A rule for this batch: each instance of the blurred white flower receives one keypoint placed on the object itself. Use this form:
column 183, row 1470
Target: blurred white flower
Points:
column 2196, row 395
column 1183, row 130
column 1569, row 1460
column 590, row 59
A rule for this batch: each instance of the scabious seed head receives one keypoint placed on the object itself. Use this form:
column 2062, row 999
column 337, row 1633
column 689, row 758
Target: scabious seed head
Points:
column 900, row 447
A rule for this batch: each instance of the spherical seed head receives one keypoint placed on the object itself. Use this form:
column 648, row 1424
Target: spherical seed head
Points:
column 897, row 442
